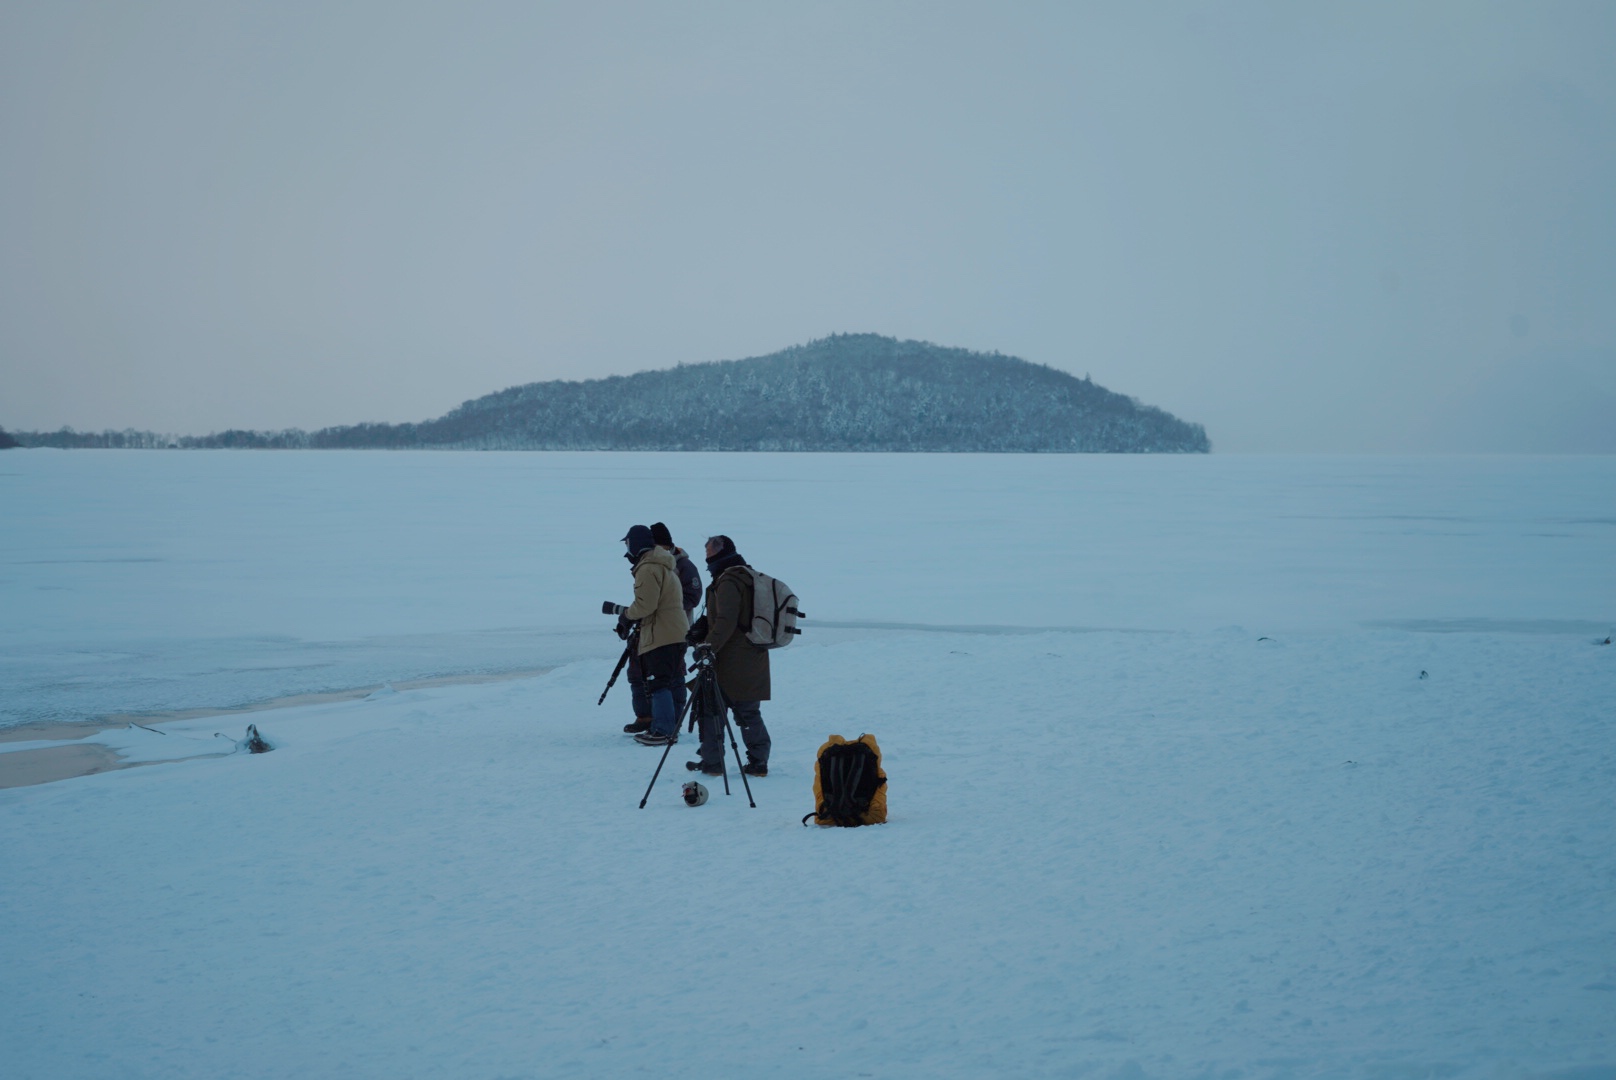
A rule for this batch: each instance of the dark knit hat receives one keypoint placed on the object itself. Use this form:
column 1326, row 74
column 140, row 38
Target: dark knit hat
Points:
column 660, row 533
column 638, row 538
column 726, row 546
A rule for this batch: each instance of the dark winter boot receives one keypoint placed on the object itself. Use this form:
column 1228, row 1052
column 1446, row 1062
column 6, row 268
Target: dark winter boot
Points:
column 641, row 723
column 706, row 770
column 753, row 768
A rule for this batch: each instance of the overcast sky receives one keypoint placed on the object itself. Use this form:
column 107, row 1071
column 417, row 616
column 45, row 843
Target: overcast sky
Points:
column 1312, row 227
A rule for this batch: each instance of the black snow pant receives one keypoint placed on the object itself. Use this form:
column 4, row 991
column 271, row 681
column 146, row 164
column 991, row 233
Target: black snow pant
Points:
column 749, row 718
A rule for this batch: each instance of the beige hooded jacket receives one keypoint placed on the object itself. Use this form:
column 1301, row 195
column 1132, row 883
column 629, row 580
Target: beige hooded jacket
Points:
column 658, row 603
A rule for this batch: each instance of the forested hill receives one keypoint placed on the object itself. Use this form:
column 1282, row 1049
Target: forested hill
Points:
column 851, row 392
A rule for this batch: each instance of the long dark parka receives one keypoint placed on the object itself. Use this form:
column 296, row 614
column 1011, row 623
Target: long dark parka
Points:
column 742, row 667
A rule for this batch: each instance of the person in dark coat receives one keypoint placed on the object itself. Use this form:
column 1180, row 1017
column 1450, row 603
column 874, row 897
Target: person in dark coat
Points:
column 742, row 667
column 638, row 697
column 689, row 576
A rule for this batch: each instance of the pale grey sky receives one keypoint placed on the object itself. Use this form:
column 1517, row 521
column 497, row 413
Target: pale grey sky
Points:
column 1360, row 227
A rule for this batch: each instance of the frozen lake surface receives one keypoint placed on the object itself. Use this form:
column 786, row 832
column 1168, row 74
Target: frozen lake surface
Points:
column 139, row 582
column 1200, row 766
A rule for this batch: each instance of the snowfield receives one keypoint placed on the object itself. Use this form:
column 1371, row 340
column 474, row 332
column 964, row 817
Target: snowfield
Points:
column 1199, row 767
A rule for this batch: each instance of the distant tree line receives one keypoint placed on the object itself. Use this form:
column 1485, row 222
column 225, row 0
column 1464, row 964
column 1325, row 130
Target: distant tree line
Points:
column 68, row 439
column 848, row 392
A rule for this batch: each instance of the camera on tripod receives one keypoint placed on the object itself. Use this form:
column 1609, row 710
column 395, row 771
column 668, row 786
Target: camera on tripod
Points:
column 706, row 706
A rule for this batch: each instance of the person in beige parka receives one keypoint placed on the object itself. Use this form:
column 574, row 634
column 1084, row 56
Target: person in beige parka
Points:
column 659, row 609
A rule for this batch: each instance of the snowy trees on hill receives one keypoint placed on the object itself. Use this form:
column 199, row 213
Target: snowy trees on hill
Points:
column 856, row 392
column 849, row 392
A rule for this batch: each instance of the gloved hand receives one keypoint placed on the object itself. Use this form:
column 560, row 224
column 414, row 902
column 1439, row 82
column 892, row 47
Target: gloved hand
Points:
column 698, row 632
column 609, row 608
column 623, row 628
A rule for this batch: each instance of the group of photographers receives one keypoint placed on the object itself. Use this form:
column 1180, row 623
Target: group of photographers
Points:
column 667, row 588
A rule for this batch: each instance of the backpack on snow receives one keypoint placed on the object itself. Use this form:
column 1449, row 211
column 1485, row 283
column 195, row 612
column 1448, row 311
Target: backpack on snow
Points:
column 850, row 787
column 774, row 612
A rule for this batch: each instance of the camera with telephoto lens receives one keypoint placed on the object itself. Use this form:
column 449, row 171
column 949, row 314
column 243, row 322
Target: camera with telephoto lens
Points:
column 609, row 608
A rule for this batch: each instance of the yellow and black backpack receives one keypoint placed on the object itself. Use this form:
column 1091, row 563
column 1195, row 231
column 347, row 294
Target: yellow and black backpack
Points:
column 850, row 787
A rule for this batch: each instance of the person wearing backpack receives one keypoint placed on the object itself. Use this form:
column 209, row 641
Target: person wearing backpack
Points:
column 689, row 576
column 742, row 667
column 659, row 609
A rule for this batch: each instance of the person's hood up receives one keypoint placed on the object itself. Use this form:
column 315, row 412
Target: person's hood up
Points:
column 638, row 538
column 716, row 566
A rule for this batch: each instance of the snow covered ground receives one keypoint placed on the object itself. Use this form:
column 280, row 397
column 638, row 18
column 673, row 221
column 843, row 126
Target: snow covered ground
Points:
column 1170, row 795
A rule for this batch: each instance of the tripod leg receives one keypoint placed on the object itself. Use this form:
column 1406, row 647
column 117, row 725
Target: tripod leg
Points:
column 665, row 752
column 628, row 650
column 738, row 766
column 616, row 671
column 654, row 775
column 705, row 723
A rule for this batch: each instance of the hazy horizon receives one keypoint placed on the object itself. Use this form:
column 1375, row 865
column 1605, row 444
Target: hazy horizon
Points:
column 1382, row 228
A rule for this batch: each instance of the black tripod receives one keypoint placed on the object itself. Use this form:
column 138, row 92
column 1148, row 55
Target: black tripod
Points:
column 633, row 640
column 705, row 705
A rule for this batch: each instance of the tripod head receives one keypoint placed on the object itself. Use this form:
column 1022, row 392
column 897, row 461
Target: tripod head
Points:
column 706, row 699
